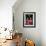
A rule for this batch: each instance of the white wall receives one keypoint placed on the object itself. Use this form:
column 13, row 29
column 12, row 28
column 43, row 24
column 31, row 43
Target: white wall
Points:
column 28, row 6
column 6, row 13
column 35, row 34
column 43, row 22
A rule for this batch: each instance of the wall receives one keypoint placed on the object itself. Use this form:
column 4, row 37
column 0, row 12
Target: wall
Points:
column 6, row 13
column 28, row 6
column 43, row 22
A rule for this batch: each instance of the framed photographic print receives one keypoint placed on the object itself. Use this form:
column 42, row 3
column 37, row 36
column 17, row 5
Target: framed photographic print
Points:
column 29, row 19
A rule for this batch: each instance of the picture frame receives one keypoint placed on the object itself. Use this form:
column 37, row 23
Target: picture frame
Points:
column 29, row 19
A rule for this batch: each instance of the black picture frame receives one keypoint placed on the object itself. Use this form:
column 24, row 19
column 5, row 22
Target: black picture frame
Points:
column 29, row 19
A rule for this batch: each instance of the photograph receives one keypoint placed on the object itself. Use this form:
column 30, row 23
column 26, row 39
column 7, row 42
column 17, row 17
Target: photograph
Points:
column 29, row 19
